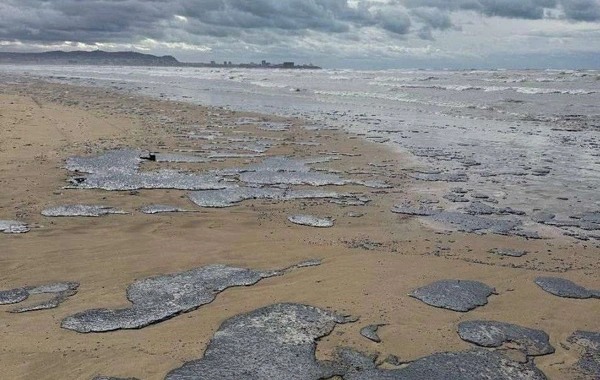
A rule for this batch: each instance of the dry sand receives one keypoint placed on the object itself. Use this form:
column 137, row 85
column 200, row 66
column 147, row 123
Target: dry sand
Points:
column 42, row 124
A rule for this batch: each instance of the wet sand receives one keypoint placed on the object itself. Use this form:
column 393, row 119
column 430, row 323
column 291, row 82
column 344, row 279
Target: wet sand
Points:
column 370, row 263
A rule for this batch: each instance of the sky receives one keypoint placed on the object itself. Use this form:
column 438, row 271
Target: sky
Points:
column 362, row 34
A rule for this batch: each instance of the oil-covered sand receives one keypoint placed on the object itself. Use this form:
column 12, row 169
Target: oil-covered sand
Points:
column 368, row 264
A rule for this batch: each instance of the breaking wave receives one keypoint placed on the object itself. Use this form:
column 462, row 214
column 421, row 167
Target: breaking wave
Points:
column 519, row 89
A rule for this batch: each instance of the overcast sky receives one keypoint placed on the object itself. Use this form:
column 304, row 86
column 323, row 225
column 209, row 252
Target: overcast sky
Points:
column 332, row 33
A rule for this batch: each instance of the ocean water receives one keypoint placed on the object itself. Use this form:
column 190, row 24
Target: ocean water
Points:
column 530, row 139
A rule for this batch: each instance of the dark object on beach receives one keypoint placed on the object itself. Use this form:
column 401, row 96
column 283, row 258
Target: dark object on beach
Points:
column 125, row 160
column 370, row 332
column 13, row 227
column 351, row 201
column 465, row 365
column 540, row 172
column 229, row 197
column 279, row 342
column 13, row 296
column 527, row 234
column 590, row 217
column 495, row 334
column 416, row 211
column 478, row 208
column 81, row 210
column 274, row 342
column 291, row 178
column 159, row 209
column 542, row 217
column 565, row 288
column 176, row 157
column 393, row 360
column 410, row 208
column 441, row 177
column 589, row 221
column 275, row 127
column 354, row 214
column 589, row 363
column 508, row 252
column 119, row 170
column 61, row 291
column 456, row 295
column 288, row 171
column 474, row 223
column 311, row 221
column 456, row 198
column 159, row 298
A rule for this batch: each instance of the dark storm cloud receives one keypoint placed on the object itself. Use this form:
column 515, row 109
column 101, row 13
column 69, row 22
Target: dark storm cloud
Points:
column 574, row 10
column 532, row 9
column 123, row 21
column 582, row 10
column 116, row 20
column 524, row 9
column 444, row 4
column 433, row 17
column 333, row 16
column 425, row 33
column 393, row 20
column 84, row 21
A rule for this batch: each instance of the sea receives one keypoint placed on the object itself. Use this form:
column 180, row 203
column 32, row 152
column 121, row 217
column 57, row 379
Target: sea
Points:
column 529, row 139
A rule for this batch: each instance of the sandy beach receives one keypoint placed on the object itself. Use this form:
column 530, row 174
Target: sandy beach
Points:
column 372, row 258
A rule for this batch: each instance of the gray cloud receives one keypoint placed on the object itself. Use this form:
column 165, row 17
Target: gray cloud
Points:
column 393, row 20
column 574, row 10
column 581, row 10
column 333, row 16
column 433, row 17
column 529, row 9
column 72, row 20
column 444, row 4
column 121, row 20
column 522, row 9
column 425, row 33
column 286, row 26
column 114, row 20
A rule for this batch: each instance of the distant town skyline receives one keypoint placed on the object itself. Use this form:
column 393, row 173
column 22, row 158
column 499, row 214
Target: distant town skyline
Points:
column 131, row 58
column 362, row 34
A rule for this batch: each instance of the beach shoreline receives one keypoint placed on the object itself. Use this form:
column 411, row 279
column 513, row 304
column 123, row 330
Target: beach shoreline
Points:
column 369, row 263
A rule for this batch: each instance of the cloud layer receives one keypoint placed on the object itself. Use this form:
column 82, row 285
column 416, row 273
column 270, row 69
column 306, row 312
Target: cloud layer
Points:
column 262, row 26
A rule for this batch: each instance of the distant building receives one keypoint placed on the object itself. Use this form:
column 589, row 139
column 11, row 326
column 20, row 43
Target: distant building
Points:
column 130, row 58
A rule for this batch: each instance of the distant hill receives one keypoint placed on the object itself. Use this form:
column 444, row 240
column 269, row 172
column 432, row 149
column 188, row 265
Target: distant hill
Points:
column 98, row 57
column 128, row 58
